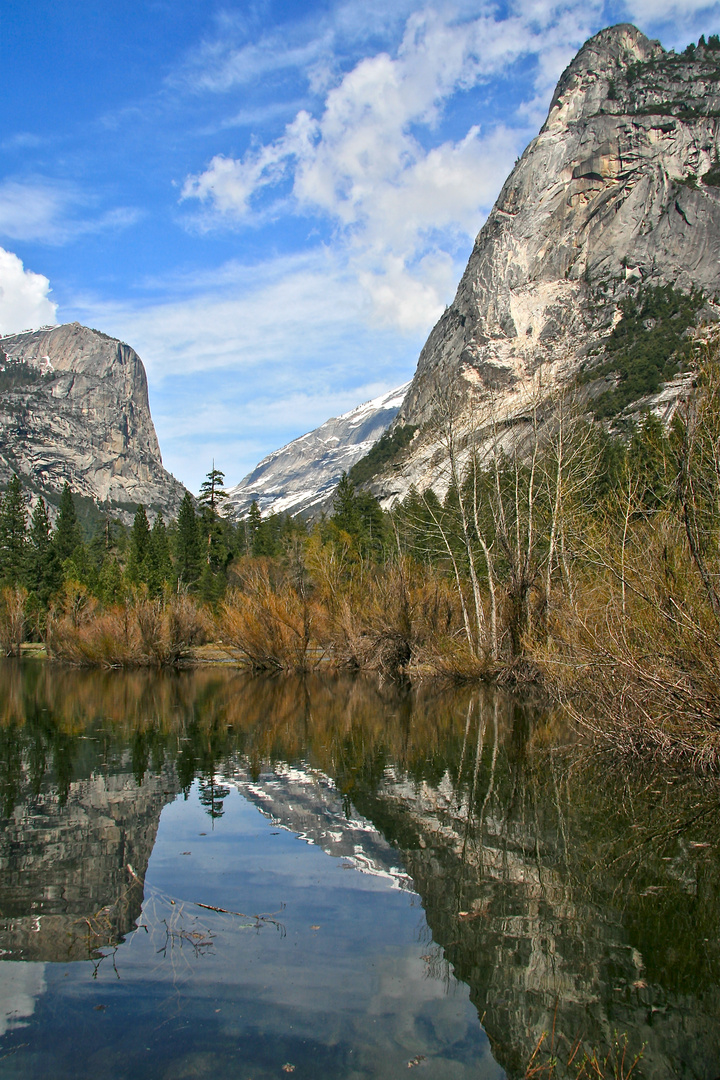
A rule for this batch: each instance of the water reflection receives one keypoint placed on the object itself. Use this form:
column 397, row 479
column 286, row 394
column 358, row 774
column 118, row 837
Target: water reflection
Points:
column 560, row 889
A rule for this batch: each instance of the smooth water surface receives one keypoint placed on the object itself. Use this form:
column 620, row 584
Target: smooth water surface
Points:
column 204, row 874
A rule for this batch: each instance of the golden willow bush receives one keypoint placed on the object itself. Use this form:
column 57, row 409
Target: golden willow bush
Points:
column 143, row 632
column 401, row 616
column 385, row 618
column 269, row 622
column 12, row 619
column 634, row 648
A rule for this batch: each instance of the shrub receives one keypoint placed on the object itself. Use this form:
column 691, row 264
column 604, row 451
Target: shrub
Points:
column 268, row 622
column 12, row 619
column 142, row 633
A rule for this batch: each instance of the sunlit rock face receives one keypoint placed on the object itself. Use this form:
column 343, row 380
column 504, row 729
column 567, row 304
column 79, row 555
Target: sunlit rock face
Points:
column 86, row 420
column 66, row 890
column 593, row 207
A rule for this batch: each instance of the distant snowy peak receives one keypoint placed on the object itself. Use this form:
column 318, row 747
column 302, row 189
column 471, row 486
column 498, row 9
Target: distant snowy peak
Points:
column 301, row 477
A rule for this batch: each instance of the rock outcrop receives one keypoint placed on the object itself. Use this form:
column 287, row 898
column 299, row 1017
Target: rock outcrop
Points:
column 74, row 407
column 619, row 188
column 300, row 478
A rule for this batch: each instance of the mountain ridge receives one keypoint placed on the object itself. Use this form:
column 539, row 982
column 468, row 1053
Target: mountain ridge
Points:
column 617, row 195
column 301, row 476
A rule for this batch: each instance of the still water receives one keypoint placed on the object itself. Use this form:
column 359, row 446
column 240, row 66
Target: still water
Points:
column 204, row 874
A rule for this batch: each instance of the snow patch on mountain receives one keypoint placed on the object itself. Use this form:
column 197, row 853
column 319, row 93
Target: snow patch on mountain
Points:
column 300, row 478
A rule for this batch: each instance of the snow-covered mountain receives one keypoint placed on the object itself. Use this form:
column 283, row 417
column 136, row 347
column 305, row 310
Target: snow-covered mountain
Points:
column 301, row 477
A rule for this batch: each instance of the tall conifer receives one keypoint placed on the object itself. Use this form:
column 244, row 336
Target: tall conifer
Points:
column 67, row 534
column 137, row 570
column 44, row 572
column 159, row 566
column 212, row 493
column 13, row 522
column 188, row 543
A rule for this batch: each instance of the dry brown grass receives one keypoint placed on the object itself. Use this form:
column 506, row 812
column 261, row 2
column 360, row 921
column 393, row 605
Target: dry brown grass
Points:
column 142, row 633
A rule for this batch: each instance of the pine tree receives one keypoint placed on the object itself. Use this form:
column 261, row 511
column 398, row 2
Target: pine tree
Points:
column 67, row 534
column 211, row 490
column 359, row 516
column 137, row 568
column 254, row 523
column 188, row 544
column 214, row 531
column 159, row 566
column 110, row 583
column 44, row 572
column 13, row 522
column 346, row 516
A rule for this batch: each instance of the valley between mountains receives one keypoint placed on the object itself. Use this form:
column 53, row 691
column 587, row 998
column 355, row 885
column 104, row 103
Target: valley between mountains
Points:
column 538, row 504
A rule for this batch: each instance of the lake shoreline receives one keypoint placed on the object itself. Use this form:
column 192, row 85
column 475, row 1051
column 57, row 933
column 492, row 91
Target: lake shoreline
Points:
column 632, row 737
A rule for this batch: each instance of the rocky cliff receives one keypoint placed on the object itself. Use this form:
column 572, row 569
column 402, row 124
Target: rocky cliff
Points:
column 619, row 192
column 300, row 478
column 74, row 407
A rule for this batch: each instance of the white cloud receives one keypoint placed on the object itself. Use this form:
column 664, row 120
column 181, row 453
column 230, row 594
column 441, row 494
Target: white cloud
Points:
column 368, row 164
column 22, row 140
column 24, row 301
column 44, row 210
column 254, row 117
column 681, row 10
column 33, row 210
column 276, row 316
column 236, row 55
column 215, row 67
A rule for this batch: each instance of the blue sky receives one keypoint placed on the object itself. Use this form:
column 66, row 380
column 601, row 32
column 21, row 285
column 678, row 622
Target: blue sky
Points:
column 271, row 202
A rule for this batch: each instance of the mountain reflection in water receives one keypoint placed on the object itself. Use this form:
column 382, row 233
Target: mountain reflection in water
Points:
column 561, row 889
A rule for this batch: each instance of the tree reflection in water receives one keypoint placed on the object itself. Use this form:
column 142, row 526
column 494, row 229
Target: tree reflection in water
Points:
column 561, row 885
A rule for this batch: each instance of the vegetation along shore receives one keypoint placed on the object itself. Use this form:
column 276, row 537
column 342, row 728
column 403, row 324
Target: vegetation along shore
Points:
column 564, row 552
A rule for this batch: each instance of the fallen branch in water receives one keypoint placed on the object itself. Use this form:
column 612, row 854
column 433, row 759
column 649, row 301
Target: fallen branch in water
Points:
column 259, row 919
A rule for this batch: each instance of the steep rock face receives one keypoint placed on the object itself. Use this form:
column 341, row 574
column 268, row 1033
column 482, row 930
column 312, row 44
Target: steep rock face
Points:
column 301, row 477
column 78, row 412
column 594, row 206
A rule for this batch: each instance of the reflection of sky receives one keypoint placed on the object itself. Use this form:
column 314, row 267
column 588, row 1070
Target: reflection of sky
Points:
column 343, row 989
column 20, row 986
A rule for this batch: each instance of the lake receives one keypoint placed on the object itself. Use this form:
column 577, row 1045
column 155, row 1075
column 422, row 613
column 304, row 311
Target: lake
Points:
column 208, row 874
